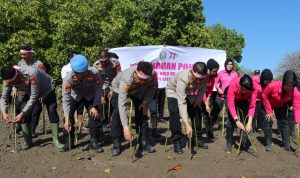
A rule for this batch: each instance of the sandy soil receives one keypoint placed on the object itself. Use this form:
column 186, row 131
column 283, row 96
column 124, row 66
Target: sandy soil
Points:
column 44, row 160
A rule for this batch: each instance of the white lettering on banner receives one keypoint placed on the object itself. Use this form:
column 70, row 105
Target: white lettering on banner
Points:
column 167, row 60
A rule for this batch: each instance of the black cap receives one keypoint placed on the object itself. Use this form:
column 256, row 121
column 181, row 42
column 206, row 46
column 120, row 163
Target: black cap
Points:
column 257, row 72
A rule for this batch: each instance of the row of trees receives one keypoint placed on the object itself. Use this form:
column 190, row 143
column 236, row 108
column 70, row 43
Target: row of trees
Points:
column 53, row 27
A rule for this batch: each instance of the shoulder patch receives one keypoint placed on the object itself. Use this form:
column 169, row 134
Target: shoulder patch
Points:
column 97, row 80
column 32, row 80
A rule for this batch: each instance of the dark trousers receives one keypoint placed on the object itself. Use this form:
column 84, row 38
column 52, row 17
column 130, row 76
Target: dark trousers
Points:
column 51, row 105
column 206, row 118
column 161, row 96
column 36, row 111
column 217, row 107
column 285, row 121
column 141, row 123
column 93, row 124
column 242, row 109
column 259, row 116
column 194, row 114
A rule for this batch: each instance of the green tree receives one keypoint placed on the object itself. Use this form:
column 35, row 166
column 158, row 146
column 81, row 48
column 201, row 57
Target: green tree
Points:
column 54, row 27
column 229, row 40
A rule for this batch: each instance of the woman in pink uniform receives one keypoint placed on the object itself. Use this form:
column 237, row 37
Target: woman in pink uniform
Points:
column 221, row 83
column 242, row 94
column 279, row 96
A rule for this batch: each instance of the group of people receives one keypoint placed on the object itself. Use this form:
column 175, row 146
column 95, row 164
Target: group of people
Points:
column 104, row 91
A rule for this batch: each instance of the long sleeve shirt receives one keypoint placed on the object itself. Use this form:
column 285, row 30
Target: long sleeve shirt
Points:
column 223, row 79
column 235, row 95
column 107, row 73
column 89, row 88
column 124, row 85
column 34, row 83
column 272, row 96
column 296, row 105
column 34, row 63
column 209, row 89
column 181, row 87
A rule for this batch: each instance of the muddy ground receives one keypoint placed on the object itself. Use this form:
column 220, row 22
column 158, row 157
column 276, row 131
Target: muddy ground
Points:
column 44, row 160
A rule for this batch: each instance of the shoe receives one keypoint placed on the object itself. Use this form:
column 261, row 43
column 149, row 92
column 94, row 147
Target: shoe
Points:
column 202, row 144
column 210, row 134
column 34, row 135
column 149, row 149
column 228, row 148
column 144, row 143
column 251, row 150
column 178, row 148
column 269, row 148
column 116, row 150
column 261, row 132
column 95, row 146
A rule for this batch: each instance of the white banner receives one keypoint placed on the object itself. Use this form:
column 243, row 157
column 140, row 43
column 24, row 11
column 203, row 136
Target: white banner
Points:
column 167, row 60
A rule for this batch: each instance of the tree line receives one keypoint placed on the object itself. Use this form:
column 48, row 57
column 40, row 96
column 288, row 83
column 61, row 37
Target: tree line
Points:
column 53, row 27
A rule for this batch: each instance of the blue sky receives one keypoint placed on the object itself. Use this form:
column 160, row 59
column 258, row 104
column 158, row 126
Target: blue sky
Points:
column 271, row 28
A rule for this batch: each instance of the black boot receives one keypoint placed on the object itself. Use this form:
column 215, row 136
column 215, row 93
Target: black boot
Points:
column 285, row 133
column 210, row 134
column 209, row 128
column 94, row 145
column 268, row 137
column 177, row 147
column 33, row 128
column 201, row 142
column 116, row 149
column 229, row 140
column 145, row 144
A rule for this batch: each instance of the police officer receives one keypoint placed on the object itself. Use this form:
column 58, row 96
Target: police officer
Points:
column 35, row 84
column 82, row 85
column 107, row 66
column 27, row 59
column 66, row 69
column 139, row 83
column 184, row 104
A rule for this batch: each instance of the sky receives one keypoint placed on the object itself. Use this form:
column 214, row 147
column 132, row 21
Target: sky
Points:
column 271, row 28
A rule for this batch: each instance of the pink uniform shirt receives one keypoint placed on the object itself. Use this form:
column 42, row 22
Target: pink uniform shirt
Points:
column 271, row 97
column 235, row 94
column 224, row 78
